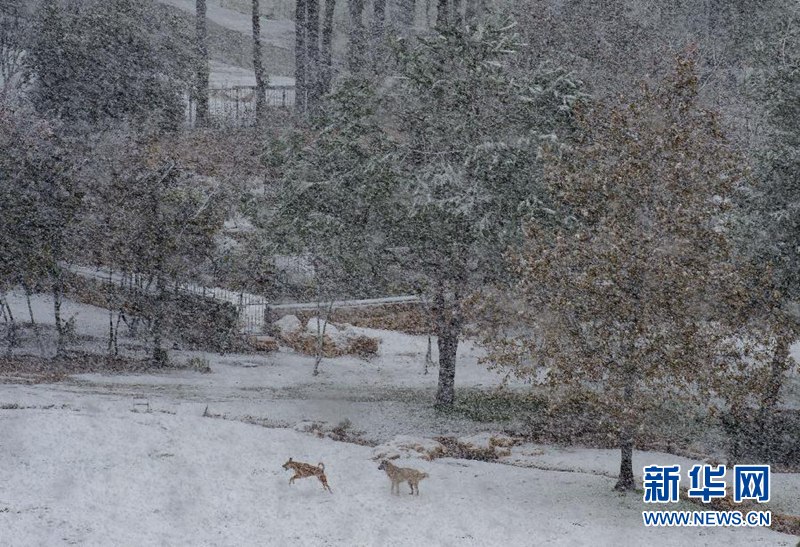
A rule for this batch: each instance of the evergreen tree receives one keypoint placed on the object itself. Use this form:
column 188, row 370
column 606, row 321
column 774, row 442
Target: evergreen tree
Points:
column 104, row 61
column 423, row 184
column 39, row 203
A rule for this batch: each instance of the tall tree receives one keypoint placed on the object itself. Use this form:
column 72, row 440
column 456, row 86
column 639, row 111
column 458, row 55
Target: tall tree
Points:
column 630, row 292
column 258, row 66
column 202, row 74
column 39, row 202
column 423, row 187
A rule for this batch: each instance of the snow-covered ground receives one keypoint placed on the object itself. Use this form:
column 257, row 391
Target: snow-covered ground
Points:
column 95, row 475
column 85, row 462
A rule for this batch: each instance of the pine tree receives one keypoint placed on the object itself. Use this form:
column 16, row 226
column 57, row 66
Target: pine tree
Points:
column 39, row 202
column 422, row 187
column 107, row 61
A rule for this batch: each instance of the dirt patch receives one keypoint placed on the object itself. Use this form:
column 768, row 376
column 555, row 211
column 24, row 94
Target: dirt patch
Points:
column 409, row 318
column 308, row 344
column 787, row 524
column 453, row 448
column 32, row 369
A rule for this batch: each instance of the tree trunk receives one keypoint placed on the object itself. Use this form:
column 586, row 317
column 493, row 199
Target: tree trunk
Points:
column 322, row 325
column 778, row 368
column 378, row 22
column 428, row 356
column 258, row 67
column 300, row 104
column 442, row 16
column 110, row 305
column 160, row 357
column 407, row 9
column 110, row 331
column 28, row 300
column 447, row 343
column 116, row 333
column 456, row 15
column 626, row 480
column 201, row 83
column 312, row 60
column 159, row 353
column 58, row 291
column 12, row 327
column 326, row 54
column 772, row 392
column 355, row 46
column 448, row 326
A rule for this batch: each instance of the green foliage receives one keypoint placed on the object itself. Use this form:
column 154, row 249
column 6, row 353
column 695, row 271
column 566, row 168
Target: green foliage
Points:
column 39, row 198
column 422, row 179
column 106, row 60
column 199, row 364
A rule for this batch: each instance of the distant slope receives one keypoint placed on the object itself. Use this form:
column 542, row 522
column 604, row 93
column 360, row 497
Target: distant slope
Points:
column 277, row 33
column 229, row 36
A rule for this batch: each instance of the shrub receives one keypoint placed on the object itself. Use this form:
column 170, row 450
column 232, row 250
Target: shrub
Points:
column 200, row 364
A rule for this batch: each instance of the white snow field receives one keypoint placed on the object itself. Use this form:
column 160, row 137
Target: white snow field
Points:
column 131, row 460
column 102, row 475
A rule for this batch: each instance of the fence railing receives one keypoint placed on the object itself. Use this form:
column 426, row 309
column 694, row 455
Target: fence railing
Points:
column 252, row 308
column 236, row 105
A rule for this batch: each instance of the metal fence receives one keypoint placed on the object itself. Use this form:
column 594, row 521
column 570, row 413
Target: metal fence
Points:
column 236, row 105
column 251, row 308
